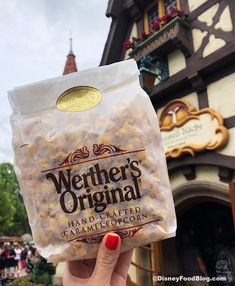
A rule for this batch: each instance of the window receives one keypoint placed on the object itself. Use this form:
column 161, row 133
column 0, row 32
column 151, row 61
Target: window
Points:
column 152, row 14
column 169, row 4
column 158, row 9
column 147, row 263
column 143, row 265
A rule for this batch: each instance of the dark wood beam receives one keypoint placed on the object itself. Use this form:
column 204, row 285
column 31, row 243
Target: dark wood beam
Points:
column 208, row 158
column 203, row 99
column 225, row 174
column 189, row 172
column 210, row 69
column 202, row 8
column 229, row 122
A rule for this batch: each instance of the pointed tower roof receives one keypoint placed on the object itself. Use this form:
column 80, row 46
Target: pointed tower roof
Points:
column 70, row 65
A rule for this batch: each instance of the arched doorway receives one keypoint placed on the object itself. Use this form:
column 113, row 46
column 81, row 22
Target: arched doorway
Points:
column 204, row 209
column 210, row 226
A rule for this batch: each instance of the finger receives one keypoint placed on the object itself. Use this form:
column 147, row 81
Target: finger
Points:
column 106, row 259
column 123, row 263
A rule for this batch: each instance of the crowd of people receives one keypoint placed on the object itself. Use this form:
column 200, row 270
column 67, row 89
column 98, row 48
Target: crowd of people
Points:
column 16, row 259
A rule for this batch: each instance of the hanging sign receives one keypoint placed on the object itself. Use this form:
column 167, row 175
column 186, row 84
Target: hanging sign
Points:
column 186, row 130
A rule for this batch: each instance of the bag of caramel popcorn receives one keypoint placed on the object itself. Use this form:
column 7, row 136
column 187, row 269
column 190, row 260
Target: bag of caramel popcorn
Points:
column 89, row 160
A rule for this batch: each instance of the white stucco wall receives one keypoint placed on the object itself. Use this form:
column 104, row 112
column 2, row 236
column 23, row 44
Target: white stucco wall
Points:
column 198, row 37
column 176, row 62
column 208, row 174
column 229, row 149
column 192, row 99
column 194, row 4
column 177, row 179
column 213, row 45
column 203, row 174
column 221, row 95
column 207, row 16
column 133, row 34
column 224, row 23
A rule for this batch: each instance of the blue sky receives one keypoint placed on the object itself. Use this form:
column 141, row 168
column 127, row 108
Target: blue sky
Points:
column 35, row 42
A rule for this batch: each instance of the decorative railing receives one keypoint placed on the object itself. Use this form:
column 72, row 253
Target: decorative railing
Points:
column 175, row 34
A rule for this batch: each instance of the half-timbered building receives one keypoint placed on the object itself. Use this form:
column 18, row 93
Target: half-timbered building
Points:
column 185, row 51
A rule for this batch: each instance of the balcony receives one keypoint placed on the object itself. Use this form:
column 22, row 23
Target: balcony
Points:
column 173, row 35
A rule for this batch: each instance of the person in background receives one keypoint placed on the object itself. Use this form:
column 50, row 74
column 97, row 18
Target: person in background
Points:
column 9, row 256
column 17, row 250
column 192, row 263
column 225, row 262
column 32, row 256
column 2, row 262
column 23, row 256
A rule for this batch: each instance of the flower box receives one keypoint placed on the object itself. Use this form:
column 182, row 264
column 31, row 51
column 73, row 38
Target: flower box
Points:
column 174, row 34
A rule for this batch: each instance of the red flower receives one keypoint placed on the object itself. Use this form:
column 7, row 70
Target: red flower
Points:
column 126, row 45
column 173, row 11
column 155, row 25
column 168, row 17
column 164, row 18
column 143, row 34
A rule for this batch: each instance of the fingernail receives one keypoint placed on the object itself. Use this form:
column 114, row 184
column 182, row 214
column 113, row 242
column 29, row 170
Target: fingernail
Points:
column 112, row 241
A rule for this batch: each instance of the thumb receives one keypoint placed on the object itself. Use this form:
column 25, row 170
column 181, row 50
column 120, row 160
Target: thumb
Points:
column 108, row 254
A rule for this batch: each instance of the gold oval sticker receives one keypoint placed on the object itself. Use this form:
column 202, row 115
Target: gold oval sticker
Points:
column 78, row 98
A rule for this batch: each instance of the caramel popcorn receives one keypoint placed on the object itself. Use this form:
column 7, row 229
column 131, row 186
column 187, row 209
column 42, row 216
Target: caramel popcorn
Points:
column 89, row 160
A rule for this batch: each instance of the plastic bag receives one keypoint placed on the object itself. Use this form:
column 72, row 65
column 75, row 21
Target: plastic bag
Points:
column 89, row 159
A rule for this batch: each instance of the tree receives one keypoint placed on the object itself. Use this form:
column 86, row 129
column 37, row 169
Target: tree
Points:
column 13, row 216
column 43, row 272
column 7, row 212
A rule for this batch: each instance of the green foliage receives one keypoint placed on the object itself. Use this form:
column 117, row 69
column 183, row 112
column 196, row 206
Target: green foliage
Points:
column 21, row 281
column 43, row 272
column 8, row 179
column 41, row 276
column 13, row 216
column 7, row 212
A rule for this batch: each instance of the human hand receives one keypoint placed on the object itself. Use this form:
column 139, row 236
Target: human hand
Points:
column 109, row 269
